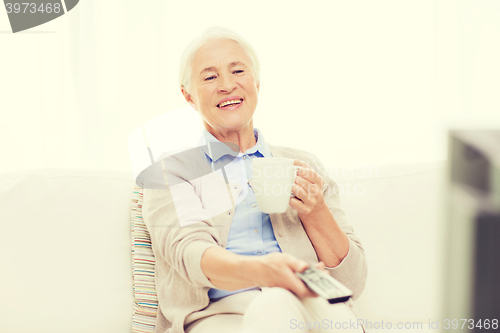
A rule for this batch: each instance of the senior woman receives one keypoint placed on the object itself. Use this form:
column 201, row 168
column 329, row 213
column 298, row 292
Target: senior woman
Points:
column 234, row 270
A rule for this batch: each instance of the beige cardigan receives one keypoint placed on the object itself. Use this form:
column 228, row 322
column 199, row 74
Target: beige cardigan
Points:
column 204, row 209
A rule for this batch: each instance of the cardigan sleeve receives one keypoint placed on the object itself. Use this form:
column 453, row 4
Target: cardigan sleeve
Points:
column 352, row 271
column 180, row 229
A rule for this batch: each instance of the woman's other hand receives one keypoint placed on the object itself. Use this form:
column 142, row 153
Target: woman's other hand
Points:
column 329, row 240
column 308, row 191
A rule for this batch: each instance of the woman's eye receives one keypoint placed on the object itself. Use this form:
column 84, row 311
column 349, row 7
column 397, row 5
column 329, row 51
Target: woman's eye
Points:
column 210, row 78
column 238, row 71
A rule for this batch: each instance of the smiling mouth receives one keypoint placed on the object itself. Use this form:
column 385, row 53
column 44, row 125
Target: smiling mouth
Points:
column 230, row 103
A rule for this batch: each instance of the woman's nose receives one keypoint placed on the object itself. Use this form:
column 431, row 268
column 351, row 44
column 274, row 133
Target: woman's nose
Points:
column 227, row 84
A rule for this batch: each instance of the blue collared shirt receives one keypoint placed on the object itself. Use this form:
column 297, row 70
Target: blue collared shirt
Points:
column 251, row 232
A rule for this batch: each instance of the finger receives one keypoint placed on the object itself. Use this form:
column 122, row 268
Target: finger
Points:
column 303, row 182
column 298, row 265
column 305, row 291
column 321, row 265
column 299, row 162
column 311, row 182
column 303, row 195
column 310, row 175
column 300, row 289
column 306, row 171
column 310, row 293
column 298, row 205
column 310, row 188
column 292, row 282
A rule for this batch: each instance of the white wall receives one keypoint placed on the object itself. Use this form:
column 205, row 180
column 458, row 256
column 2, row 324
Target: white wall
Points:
column 356, row 82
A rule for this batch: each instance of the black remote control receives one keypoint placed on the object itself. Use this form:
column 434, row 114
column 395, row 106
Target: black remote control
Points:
column 324, row 285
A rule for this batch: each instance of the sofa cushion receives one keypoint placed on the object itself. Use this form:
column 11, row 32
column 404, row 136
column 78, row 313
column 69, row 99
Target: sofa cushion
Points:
column 65, row 251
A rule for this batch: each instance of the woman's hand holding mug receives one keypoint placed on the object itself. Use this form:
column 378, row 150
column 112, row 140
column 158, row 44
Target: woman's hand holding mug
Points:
column 308, row 190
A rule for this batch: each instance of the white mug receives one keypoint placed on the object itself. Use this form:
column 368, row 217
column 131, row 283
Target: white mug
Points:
column 272, row 182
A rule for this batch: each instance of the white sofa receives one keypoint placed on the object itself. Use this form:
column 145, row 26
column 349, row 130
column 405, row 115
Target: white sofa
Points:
column 65, row 253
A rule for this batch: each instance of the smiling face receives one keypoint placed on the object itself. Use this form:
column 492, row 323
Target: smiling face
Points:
column 223, row 87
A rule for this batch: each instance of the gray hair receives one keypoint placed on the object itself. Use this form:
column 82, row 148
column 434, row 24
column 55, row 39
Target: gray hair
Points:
column 214, row 33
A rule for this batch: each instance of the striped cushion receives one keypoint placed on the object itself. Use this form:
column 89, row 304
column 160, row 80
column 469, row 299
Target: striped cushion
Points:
column 143, row 267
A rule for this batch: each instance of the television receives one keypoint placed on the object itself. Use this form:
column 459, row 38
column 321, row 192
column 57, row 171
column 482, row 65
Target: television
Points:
column 472, row 232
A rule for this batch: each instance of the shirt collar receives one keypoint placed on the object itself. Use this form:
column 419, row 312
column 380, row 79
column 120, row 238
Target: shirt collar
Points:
column 206, row 138
column 261, row 146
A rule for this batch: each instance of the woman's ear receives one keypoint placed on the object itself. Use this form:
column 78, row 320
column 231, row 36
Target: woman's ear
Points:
column 188, row 97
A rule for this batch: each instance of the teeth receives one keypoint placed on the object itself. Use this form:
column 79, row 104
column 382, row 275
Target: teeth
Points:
column 234, row 101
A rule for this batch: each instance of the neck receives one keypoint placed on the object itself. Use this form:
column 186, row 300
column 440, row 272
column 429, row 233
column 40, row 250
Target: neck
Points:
column 244, row 138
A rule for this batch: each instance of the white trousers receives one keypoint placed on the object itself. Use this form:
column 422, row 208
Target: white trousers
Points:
column 273, row 310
